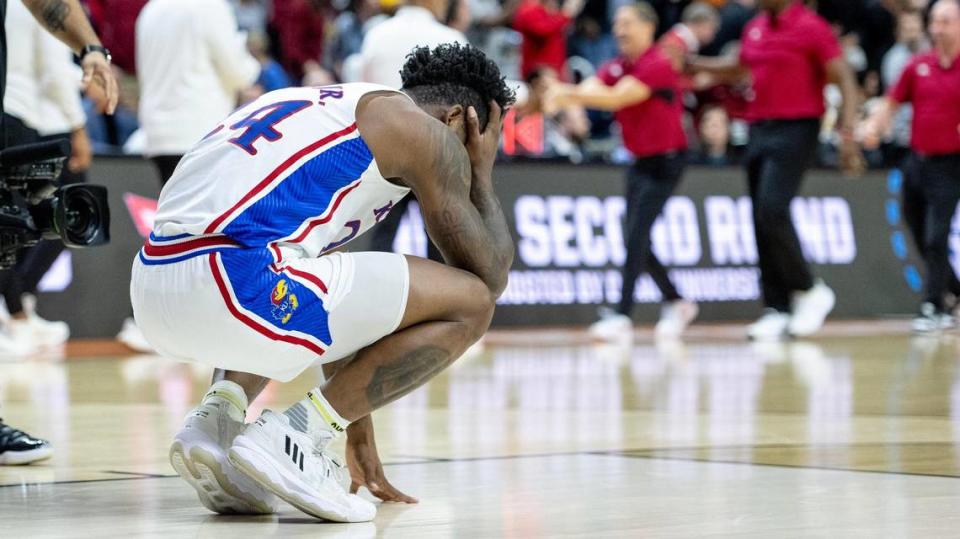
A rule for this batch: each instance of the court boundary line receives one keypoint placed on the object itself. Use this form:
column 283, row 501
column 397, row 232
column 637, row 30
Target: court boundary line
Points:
column 643, row 454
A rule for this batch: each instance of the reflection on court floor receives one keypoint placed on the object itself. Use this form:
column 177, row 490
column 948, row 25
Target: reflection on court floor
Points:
column 543, row 433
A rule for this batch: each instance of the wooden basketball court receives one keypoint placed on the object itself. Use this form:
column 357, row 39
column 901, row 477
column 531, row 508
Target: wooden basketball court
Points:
column 856, row 433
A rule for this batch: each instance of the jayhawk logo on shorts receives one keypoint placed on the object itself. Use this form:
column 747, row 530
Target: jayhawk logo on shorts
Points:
column 284, row 303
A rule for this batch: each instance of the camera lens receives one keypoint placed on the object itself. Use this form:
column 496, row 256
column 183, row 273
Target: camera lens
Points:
column 81, row 219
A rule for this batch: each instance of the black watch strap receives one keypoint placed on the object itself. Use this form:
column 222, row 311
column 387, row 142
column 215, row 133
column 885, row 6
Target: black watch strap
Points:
column 95, row 48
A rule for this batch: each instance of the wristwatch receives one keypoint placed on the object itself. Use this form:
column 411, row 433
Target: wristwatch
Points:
column 95, row 48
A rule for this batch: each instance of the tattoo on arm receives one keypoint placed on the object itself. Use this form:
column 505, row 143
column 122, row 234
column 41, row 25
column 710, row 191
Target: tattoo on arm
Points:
column 464, row 220
column 55, row 13
column 403, row 374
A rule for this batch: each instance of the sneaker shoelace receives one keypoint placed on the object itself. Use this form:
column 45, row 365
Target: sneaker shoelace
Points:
column 331, row 463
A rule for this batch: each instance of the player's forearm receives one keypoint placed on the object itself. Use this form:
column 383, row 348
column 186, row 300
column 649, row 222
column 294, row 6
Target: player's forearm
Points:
column 501, row 245
column 597, row 98
column 727, row 68
column 66, row 20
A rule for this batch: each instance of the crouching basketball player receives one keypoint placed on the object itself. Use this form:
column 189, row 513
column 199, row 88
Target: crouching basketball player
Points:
column 239, row 273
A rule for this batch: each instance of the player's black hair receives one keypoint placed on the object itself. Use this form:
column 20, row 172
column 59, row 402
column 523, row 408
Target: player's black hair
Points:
column 454, row 74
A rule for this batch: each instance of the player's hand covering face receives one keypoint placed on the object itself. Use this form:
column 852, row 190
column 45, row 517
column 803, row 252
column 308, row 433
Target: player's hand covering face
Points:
column 482, row 147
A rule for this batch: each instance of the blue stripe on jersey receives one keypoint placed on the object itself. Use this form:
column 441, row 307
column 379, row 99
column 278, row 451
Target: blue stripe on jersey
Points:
column 254, row 286
column 304, row 194
column 164, row 261
column 154, row 237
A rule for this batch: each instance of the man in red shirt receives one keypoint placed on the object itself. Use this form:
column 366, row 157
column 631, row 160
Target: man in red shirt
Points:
column 931, row 83
column 790, row 53
column 544, row 25
column 643, row 89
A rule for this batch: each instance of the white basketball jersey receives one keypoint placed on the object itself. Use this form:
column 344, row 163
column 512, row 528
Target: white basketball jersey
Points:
column 288, row 171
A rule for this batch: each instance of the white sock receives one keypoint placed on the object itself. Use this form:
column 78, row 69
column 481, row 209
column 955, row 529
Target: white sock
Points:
column 230, row 393
column 314, row 416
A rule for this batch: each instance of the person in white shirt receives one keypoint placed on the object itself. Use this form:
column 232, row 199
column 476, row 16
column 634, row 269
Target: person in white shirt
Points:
column 417, row 24
column 42, row 98
column 384, row 51
column 191, row 63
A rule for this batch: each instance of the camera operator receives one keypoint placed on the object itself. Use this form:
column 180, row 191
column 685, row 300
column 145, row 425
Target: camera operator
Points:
column 42, row 97
column 67, row 22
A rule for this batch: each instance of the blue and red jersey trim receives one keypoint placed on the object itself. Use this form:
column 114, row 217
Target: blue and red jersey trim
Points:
column 160, row 250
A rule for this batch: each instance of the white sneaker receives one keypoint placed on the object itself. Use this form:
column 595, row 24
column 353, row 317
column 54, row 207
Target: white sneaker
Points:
column 930, row 320
column 131, row 336
column 287, row 462
column 199, row 455
column 675, row 316
column 43, row 333
column 810, row 309
column 771, row 326
column 612, row 326
column 15, row 347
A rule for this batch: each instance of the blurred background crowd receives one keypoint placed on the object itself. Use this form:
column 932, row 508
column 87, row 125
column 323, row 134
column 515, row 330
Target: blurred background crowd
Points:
column 313, row 42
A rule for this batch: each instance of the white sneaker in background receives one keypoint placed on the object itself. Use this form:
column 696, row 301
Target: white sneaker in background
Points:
column 771, row 326
column 930, row 320
column 199, row 455
column 131, row 336
column 13, row 346
column 285, row 461
column 810, row 309
column 612, row 326
column 675, row 316
column 38, row 332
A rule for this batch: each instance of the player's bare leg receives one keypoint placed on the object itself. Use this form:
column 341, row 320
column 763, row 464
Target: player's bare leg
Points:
column 252, row 384
column 447, row 311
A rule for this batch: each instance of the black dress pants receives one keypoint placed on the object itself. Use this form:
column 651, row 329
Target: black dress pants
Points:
column 650, row 182
column 931, row 191
column 777, row 158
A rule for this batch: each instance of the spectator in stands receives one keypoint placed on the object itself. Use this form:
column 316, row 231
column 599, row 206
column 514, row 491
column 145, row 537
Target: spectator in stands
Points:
column 734, row 16
column 349, row 29
column 115, row 21
column 670, row 12
column 384, row 52
column 251, row 15
column 272, row 76
column 591, row 43
column 643, row 88
column 386, row 46
column 564, row 128
column 491, row 32
column 714, row 137
column 458, row 16
column 910, row 41
column 544, row 25
column 299, row 25
column 698, row 27
column 193, row 64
